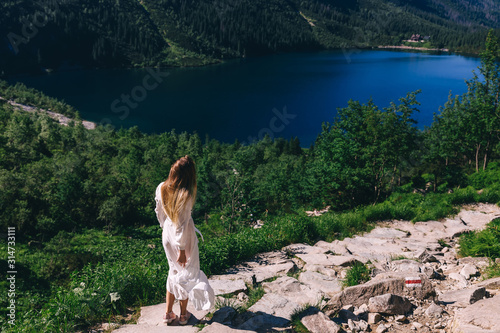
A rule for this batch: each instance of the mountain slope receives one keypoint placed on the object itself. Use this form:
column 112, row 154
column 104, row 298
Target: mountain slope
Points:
column 115, row 33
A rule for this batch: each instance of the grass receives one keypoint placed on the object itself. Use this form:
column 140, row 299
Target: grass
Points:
column 254, row 295
column 443, row 243
column 493, row 270
column 227, row 302
column 297, row 316
column 357, row 274
column 401, row 257
column 485, row 243
column 303, row 311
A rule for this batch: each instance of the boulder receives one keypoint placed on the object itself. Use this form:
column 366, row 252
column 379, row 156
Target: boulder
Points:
column 345, row 315
column 434, row 310
column 463, row 297
column 357, row 326
column 482, row 316
column 400, row 318
column 381, row 329
column 425, row 256
column 317, row 322
column 374, row 318
column 462, row 281
column 390, row 282
column 417, row 325
column 468, row 271
column 389, row 304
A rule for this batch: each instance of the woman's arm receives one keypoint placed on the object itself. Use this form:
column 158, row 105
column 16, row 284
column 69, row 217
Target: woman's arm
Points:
column 182, row 258
column 182, row 231
column 160, row 212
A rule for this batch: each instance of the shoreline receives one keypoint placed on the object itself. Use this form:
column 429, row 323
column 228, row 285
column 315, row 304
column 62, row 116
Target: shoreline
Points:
column 60, row 118
column 224, row 61
column 404, row 47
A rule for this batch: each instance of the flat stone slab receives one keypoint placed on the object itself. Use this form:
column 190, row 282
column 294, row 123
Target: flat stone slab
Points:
column 326, row 284
column 327, row 260
column 264, row 322
column 317, row 322
column 156, row 329
column 490, row 283
column 274, row 305
column 263, row 266
column 389, row 304
column 151, row 320
column 303, row 249
column 224, row 287
column 387, row 233
column 336, row 247
column 220, row 328
column 463, row 297
column 481, row 317
column 293, row 290
column 321, row 269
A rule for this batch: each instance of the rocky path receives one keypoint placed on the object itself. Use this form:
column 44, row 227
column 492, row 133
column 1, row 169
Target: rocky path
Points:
column 417, row 285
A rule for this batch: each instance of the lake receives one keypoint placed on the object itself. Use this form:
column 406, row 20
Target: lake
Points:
column 283, row 95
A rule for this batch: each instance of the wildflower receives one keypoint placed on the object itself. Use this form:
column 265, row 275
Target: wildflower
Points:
column 114, row 297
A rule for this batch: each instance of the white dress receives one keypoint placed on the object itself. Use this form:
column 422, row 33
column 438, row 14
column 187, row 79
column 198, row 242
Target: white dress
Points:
column 187, row 282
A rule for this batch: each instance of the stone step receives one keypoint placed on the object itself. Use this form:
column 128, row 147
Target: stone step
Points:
column 151, row 320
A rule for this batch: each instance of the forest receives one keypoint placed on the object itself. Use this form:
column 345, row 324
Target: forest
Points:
column 82, row 201
column 39, row 37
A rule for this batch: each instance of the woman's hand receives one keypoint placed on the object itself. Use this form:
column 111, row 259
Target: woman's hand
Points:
column 182, row 258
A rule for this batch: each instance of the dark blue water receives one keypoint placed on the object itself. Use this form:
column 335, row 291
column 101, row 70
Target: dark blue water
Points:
column 283, row 95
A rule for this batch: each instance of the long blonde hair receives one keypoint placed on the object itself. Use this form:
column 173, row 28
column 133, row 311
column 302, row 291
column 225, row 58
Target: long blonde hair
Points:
column 179, row 188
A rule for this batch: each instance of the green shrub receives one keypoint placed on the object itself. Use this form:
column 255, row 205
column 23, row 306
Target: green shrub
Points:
column 464, row 196
column 485, row 243
column 486, row 178
column 380, row 212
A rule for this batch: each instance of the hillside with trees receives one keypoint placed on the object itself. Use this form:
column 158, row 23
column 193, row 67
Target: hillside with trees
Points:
column 62, row 34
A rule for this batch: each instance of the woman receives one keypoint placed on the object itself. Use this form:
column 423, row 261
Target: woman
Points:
column 175, row 198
